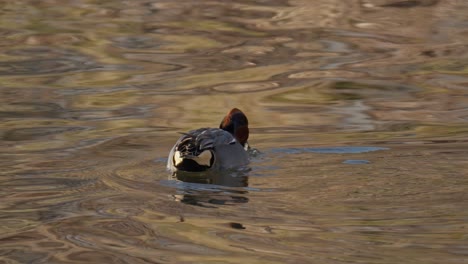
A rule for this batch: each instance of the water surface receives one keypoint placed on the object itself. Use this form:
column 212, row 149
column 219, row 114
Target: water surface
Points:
column 358, row 110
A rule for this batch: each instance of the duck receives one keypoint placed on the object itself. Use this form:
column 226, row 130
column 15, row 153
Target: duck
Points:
column 220, row 148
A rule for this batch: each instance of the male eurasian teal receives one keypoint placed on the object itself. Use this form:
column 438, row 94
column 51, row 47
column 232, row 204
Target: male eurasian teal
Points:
column 212, row 148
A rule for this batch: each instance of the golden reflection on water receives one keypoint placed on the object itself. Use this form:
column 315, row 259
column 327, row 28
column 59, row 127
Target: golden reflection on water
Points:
column 93, row 93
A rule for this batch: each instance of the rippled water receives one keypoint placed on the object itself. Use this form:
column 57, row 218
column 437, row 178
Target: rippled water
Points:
column 358, row 110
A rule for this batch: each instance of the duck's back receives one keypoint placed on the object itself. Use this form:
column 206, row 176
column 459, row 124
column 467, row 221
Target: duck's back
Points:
column 206, row 148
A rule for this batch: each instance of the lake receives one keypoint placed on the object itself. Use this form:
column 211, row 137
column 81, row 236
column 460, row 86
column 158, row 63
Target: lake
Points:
column 358, row 114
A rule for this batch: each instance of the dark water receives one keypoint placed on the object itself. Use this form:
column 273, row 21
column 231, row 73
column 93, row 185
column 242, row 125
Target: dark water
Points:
column 359, row 110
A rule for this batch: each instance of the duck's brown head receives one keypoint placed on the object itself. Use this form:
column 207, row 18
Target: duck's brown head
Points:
column 236, row 123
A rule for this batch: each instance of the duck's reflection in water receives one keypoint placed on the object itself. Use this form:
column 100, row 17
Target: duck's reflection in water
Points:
column 208, row 189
